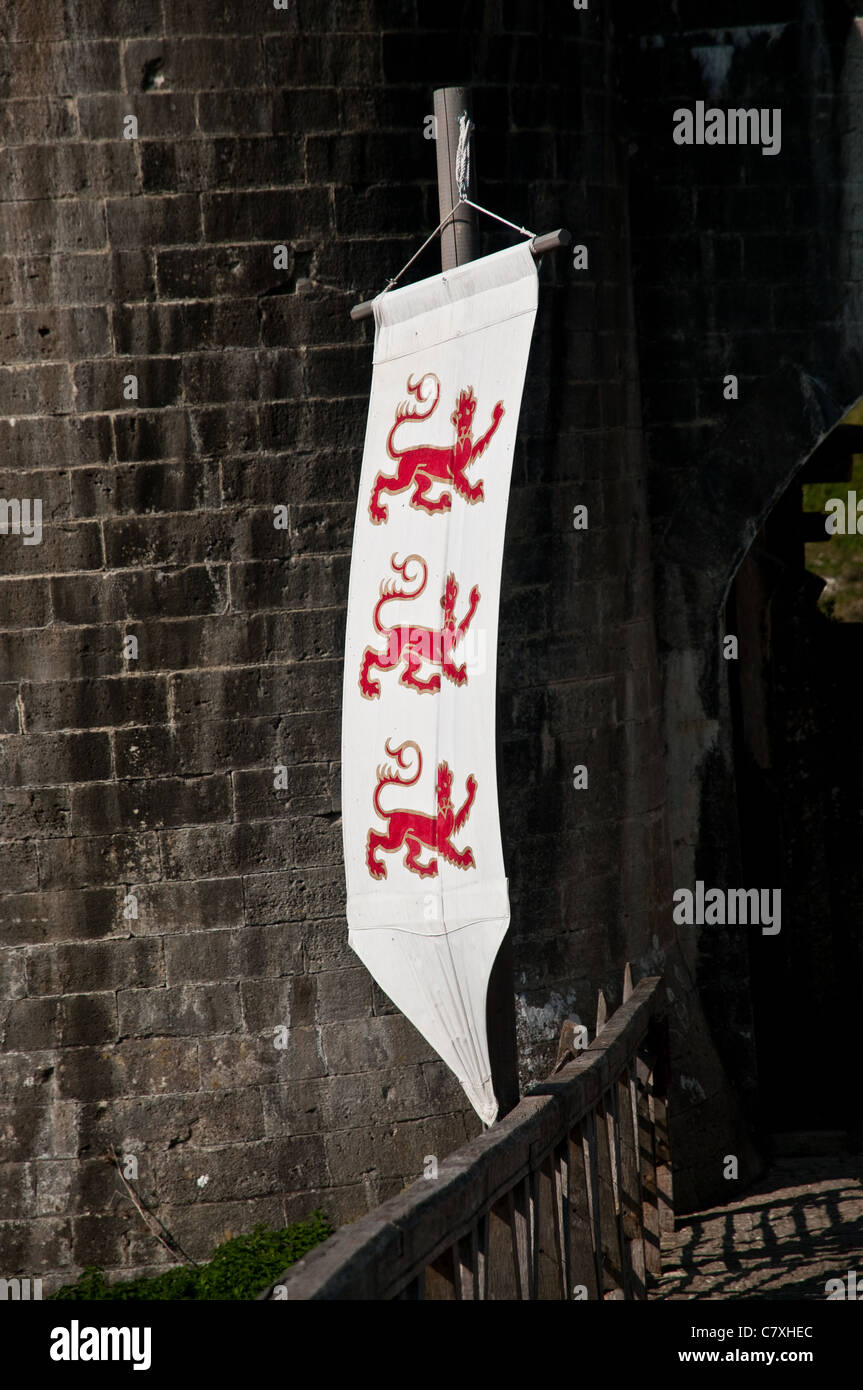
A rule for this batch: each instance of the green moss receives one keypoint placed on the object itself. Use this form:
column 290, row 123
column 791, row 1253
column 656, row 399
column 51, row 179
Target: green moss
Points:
column 239, row 1269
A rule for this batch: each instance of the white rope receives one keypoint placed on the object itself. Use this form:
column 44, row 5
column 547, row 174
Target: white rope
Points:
column 504, row 220
column 438, row 228
column 462, row 179
column 462, row 156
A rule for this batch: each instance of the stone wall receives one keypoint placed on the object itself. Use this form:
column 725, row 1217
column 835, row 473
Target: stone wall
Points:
column 146, row 784
column 225, row 1036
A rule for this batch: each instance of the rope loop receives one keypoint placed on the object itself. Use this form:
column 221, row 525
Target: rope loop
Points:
column 462, row 156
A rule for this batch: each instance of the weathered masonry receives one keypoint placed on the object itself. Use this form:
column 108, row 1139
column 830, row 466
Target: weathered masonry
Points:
column 178, row 362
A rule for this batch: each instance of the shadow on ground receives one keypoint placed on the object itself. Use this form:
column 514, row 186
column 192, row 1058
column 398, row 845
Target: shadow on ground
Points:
column 799, row 1226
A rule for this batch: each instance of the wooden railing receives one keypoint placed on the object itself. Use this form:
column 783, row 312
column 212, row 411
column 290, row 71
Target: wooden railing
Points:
column 565, row 1198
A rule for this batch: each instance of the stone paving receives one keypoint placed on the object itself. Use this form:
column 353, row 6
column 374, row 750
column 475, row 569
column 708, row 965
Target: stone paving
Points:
column 799, row 1226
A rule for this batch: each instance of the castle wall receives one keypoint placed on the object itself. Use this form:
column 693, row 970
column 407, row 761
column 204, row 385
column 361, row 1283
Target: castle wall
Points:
column 226, row 1037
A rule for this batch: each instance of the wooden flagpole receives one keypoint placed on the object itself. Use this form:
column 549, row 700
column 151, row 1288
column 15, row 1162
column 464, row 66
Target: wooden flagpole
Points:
column 460, row 237
column 459, row 241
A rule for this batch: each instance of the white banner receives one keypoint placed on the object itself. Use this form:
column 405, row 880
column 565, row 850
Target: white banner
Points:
column 427, row 900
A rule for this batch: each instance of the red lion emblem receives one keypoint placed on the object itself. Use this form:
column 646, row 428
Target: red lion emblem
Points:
column 427, row 464
column 413, row 829
column 413, row 645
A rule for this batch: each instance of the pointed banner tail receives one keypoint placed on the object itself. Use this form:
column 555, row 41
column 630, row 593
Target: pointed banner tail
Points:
column 427, row 899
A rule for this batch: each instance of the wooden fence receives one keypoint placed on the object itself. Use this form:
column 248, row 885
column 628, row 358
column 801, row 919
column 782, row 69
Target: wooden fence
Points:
column 565, row 1198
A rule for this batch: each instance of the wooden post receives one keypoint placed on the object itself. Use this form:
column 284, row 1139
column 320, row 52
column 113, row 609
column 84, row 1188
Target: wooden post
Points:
column 460, row 238
column 647, row 1163
column 601, row 1012
column 582, row 1253
column 661, row 1078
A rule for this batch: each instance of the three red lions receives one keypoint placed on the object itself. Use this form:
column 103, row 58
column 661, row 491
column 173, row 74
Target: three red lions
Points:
column 421, row 467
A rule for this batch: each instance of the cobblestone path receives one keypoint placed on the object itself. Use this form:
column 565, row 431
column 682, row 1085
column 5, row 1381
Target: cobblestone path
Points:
column 799, row 1226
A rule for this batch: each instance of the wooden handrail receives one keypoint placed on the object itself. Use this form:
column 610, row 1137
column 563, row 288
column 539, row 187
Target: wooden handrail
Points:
column 566, row 1197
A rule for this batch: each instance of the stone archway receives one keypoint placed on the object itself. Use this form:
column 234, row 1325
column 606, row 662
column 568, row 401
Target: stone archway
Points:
column 798, row 771
column 731, row 494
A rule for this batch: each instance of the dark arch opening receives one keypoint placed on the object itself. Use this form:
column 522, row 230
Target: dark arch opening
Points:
column 796, row 703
